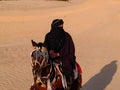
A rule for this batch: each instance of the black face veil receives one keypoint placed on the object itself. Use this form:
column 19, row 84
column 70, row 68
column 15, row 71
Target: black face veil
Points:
column 57, row 35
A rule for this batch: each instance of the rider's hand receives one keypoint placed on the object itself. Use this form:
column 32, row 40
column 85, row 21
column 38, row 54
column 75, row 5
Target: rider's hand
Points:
column 53, row 54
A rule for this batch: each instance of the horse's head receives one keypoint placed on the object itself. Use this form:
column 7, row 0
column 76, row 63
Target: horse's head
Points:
column 39, row 56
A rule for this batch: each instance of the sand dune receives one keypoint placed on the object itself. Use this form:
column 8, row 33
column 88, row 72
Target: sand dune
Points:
column 93, row 24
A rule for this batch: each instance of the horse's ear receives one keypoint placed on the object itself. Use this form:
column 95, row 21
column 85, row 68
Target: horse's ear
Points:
column 34, row 44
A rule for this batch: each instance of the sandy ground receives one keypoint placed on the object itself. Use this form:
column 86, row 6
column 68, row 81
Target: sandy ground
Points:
column 93, row 24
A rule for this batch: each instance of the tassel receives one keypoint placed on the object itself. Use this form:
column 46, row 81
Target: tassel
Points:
column 49, row 85
column 64, row 82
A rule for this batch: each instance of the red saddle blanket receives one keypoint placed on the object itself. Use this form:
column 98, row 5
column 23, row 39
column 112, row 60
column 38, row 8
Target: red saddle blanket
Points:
column 79, row 68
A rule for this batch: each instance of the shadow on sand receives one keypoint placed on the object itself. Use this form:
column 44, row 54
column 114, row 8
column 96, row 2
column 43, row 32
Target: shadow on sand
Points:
column 103, row 78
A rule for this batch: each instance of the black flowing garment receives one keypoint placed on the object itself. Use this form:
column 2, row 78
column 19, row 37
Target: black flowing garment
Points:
column 60, row 41
column 55, row 39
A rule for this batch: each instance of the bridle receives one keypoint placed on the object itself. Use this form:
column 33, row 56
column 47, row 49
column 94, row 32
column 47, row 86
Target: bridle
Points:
column 50, row 76
column 35, row 55
column 38, row 56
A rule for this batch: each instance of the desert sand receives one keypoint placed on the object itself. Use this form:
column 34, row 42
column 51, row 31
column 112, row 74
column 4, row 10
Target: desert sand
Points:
column 93, row 24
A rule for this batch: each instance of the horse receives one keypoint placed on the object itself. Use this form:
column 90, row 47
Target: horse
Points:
column 48, row 75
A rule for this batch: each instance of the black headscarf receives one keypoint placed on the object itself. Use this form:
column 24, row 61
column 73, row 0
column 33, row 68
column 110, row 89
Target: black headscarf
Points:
column 56, row 35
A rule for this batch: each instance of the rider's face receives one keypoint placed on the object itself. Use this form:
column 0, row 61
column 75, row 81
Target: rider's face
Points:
column 60, row 25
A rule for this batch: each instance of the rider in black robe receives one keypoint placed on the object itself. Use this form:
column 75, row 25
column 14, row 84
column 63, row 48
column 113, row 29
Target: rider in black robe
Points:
column 61, row 46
